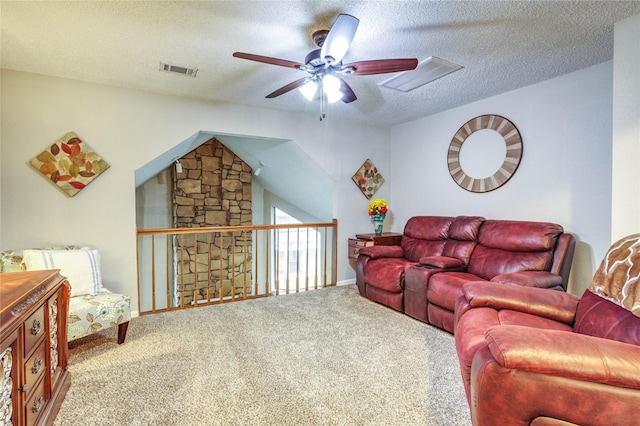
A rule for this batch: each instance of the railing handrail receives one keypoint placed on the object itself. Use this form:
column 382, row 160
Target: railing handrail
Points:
column 162, row 231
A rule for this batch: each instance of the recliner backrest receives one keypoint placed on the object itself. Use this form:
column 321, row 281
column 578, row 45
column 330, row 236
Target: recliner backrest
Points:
column 463, row 237
column 506, row 246
column 425, row 236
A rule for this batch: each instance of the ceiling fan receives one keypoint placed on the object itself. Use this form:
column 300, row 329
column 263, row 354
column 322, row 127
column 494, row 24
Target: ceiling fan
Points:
column 325, row 68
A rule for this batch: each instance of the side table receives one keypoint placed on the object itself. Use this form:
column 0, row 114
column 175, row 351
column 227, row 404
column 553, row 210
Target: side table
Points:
column 365, row 240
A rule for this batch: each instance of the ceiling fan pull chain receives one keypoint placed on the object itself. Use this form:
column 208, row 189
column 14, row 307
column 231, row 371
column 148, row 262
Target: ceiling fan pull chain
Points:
column 322, row 100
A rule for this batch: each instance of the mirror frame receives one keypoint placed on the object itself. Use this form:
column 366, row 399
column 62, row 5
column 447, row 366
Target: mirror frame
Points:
column 512, row 139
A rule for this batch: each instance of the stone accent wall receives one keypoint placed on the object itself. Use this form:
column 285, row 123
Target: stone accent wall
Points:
column 214, row 189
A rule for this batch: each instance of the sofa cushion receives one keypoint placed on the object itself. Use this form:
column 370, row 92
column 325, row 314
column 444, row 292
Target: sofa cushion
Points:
column 618, row 277
column 425, row 236
column 599, row 317
column 463, row 237
column 488, row 262
column 90, row 313
column 514, row 235
column 387, row 274
column 513, row 246
column 445, row 288
column 465, row 228
column 81, row 267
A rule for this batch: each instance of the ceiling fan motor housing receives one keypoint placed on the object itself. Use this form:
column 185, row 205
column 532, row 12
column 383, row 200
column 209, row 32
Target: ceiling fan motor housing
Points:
column 313, row 59
column 319, row 37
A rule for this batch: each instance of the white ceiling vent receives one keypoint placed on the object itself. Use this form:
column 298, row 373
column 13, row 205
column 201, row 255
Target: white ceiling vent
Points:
column 428, row 70
column 189, row 72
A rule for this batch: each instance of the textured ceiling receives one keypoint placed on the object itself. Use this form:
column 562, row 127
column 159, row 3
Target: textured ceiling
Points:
column 502, row 45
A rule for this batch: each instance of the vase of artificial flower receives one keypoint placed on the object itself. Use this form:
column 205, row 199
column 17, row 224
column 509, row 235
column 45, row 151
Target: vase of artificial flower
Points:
column 377, row 224
column 378, row 210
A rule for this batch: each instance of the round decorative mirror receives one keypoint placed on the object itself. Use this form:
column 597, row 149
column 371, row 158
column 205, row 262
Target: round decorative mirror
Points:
column 495, row 138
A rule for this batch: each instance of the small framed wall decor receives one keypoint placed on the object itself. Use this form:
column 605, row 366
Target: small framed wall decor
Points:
column 368, row 179
column 70, row 164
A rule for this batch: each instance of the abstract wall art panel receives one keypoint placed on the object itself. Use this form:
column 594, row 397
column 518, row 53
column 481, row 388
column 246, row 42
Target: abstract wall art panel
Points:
column 70, row 164
column 368, row 179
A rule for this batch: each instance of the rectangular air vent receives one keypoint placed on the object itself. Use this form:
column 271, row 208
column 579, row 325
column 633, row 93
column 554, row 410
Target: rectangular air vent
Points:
column 189, row 72
column 428, row 70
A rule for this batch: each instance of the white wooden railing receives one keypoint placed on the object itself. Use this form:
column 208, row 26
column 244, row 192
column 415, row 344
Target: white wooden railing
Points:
column 186, row 267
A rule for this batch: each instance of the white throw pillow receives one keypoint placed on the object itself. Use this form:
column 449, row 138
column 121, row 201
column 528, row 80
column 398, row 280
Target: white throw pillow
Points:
column 81, row 267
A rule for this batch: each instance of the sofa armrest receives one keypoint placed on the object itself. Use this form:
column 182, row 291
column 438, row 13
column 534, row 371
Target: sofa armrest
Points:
column 377, row 252
column 540, row 279
column 551, row 304
column 579, row 357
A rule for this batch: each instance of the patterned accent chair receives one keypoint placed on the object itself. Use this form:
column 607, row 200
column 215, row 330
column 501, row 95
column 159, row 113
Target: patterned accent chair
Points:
column 91, row 306
column 532, row 356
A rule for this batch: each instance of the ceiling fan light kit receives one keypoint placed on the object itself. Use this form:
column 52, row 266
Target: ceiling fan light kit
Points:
column 331, row 87
column 309, row 90
column 326, row 68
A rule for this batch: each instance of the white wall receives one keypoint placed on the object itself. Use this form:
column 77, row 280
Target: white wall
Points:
column 564, row 175
column 626, row 129
column 130, row 128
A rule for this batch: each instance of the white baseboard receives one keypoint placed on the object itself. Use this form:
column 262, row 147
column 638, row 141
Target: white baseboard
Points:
column 346, row 282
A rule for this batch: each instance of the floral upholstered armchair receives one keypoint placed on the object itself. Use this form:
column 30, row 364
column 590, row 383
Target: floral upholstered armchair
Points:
column 91, row 306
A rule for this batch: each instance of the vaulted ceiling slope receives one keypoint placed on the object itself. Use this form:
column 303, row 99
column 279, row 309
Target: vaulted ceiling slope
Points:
column 502, row 45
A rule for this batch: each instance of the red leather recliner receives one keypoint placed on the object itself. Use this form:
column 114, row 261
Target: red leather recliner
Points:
column 533, row 356
column 534, row 254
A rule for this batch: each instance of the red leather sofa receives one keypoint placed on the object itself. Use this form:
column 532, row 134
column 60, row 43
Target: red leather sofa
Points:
column 423, row 277
column 531, row 356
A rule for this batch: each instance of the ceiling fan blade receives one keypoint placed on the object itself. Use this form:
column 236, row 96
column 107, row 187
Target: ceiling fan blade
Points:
column 289, row 87
column 339, row 39
column 347, row 93
column 267, row 60
column 381, row 66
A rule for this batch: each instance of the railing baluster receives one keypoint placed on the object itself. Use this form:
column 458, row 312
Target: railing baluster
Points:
column 208, row 267
column 316, row 259
column 181, row 270
column 195, row 270
column 287, row 268
column 306, row 262
column 297, row 260
column 334, row 251
column 232, row 268
column 167, row 279
column 244, row 264
column 220, row 284
column 153, row 273
column 276, row 255
column 267, row 255
column 257, row 270
column 324, row 267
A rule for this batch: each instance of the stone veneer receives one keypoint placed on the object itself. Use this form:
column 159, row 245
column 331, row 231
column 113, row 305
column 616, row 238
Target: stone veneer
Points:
column 214, row 189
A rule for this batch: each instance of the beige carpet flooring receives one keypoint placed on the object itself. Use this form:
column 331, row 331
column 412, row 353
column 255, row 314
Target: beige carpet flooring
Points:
column 326, row 357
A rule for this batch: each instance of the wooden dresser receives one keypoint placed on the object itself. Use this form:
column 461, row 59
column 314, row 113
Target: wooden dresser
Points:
column 33, row 346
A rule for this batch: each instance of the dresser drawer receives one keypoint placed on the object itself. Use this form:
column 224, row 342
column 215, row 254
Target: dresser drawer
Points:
column 35, row 404
column 34, row 330
column 356, row 245
column 35, row 366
